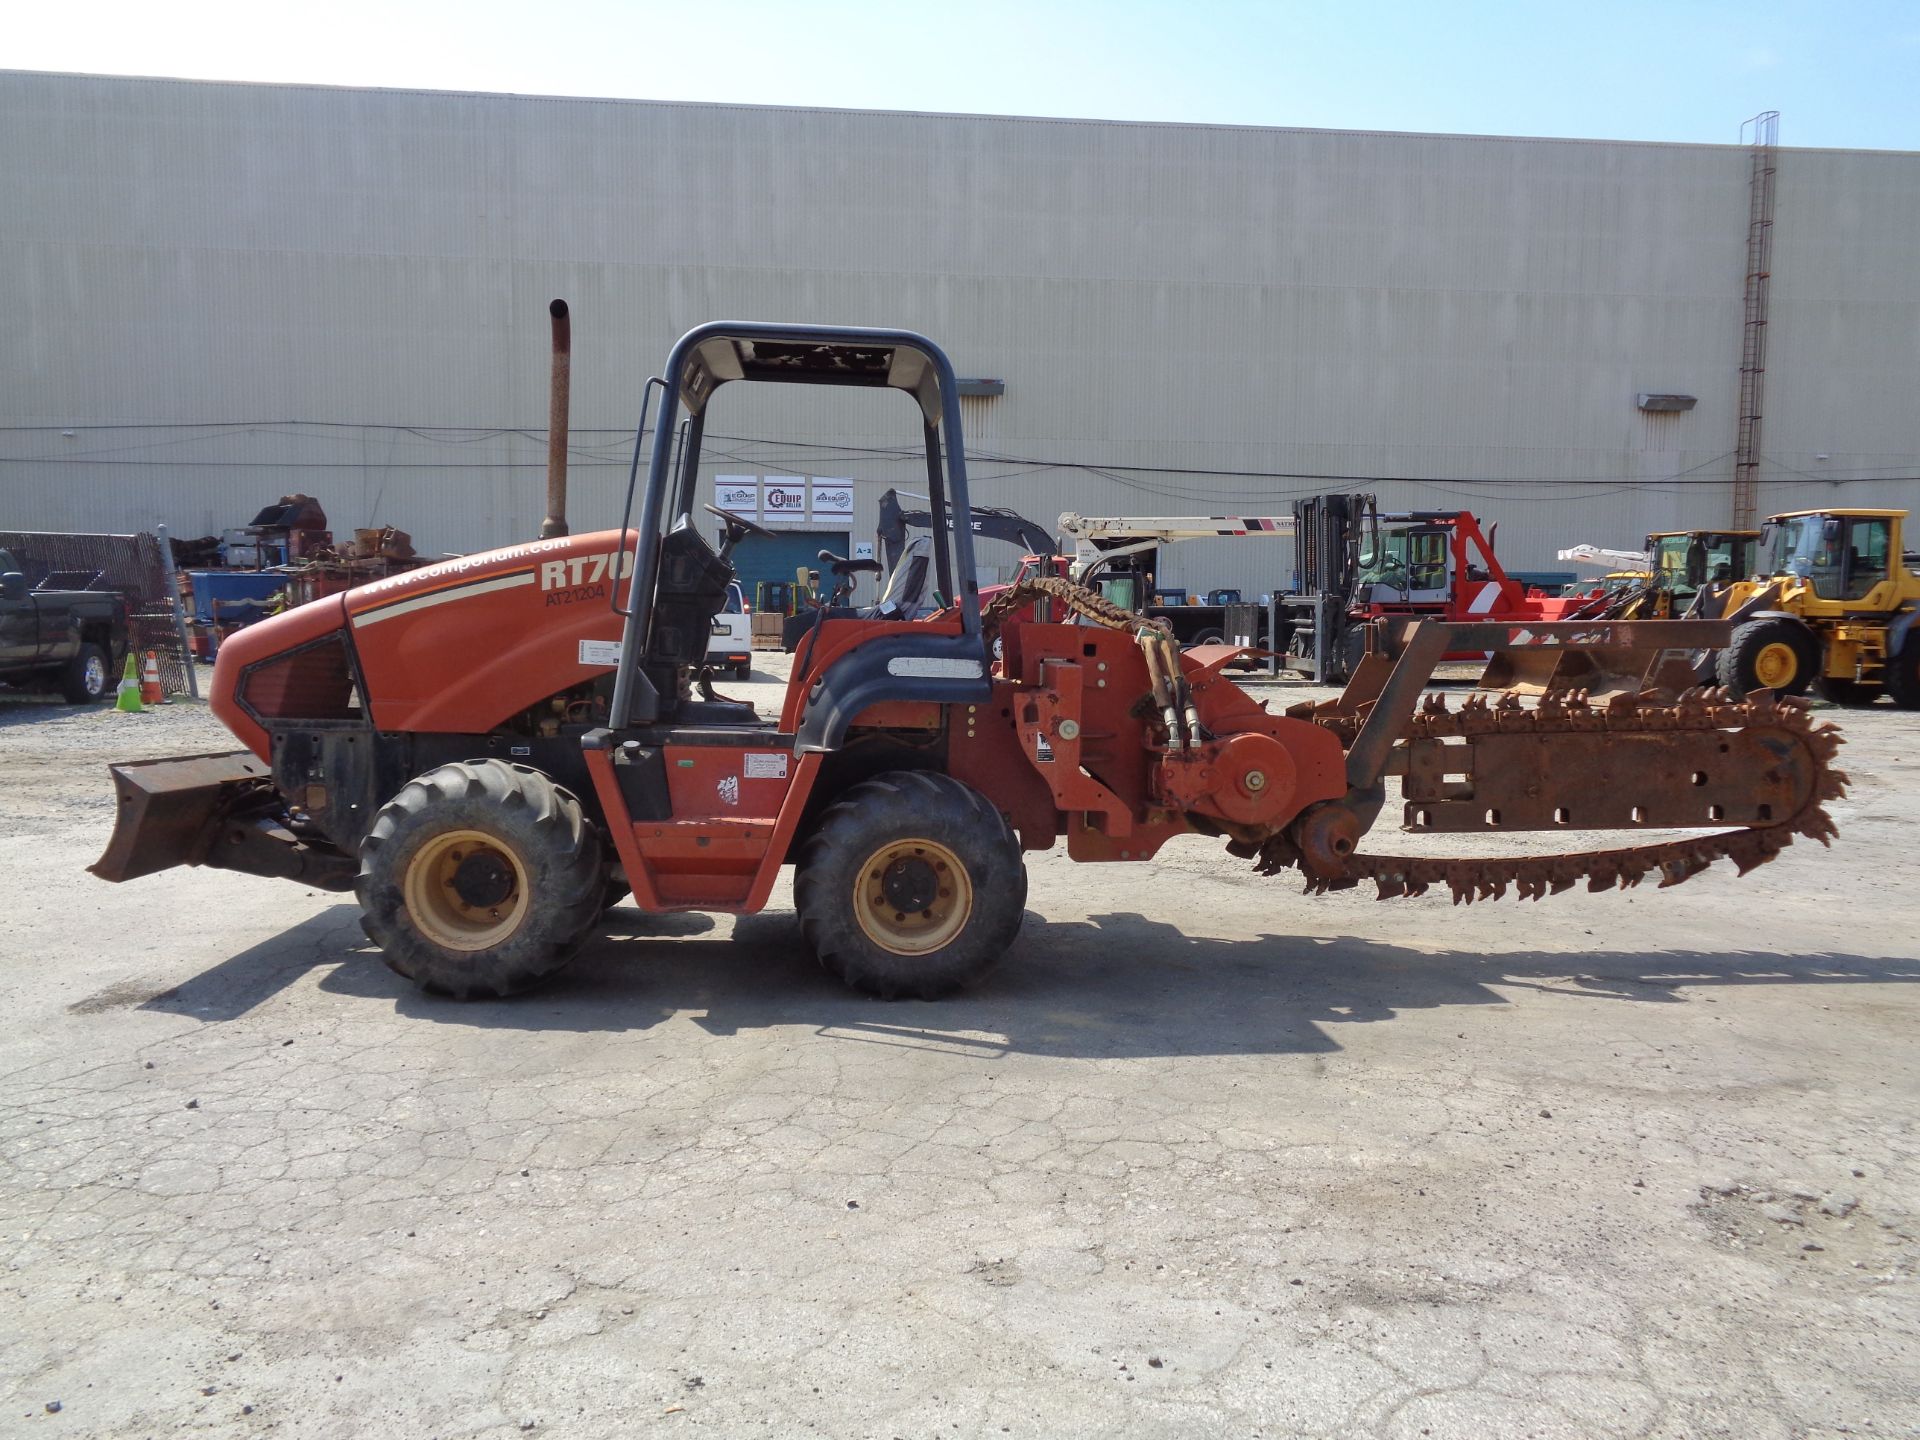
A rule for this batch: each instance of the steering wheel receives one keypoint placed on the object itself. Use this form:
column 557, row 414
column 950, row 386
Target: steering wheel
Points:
column 737, row 527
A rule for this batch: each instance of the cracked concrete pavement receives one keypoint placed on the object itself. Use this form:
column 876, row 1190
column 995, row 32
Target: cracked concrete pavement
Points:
column 1204, row 1158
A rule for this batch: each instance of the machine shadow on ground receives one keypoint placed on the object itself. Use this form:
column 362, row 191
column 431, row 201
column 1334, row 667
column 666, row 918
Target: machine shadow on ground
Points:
column 1110, row 986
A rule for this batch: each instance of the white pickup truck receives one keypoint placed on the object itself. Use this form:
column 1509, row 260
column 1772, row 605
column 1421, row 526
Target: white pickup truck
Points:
column 731, row 644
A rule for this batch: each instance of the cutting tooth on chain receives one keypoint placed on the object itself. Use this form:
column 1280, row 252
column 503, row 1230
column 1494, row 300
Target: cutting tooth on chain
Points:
column 1682, row 868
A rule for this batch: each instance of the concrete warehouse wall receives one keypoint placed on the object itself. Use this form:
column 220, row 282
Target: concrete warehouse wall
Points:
column 224, row 292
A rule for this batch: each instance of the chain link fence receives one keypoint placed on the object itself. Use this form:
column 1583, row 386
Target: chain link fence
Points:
column 136, row 566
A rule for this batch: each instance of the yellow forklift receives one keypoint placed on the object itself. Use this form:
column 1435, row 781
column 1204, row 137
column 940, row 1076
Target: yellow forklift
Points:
column 1832, row 602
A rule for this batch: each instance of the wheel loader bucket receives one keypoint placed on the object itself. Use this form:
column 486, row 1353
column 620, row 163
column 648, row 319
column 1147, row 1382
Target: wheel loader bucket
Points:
column 167, row 810
column 1600, row 670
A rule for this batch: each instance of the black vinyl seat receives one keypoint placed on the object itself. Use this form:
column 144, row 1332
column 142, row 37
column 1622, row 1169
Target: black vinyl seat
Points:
column 907, row 585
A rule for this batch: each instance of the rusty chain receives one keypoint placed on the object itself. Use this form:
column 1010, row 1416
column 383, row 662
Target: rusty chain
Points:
column 1535, row 877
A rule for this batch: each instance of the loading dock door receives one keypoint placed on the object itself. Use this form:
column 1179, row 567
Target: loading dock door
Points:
column 776, row 557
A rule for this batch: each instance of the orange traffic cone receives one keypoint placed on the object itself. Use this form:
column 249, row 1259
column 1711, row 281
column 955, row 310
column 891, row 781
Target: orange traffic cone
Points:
column 151, row 692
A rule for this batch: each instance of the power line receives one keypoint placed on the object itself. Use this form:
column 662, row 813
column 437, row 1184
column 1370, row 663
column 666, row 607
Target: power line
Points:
column 594, row 456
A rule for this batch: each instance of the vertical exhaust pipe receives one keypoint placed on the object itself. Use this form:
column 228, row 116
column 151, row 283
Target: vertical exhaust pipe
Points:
column 556, row 522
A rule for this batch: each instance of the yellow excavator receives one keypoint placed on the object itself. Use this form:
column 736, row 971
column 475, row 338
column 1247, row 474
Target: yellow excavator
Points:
column 1832, row 601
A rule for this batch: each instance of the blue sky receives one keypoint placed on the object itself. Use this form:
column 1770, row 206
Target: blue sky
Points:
column 1842, row 74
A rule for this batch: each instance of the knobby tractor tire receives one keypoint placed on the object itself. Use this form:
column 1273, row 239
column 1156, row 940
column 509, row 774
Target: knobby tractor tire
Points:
column 1903, row 673
column 911, row 886
column 480, row 878
column 1780, row 655
column 1346, row 647
column 87, row 679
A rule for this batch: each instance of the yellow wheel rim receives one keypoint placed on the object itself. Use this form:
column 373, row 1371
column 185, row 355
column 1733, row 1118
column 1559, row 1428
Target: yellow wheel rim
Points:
column 912, row 896
column 465, row 890
column 1776, row 665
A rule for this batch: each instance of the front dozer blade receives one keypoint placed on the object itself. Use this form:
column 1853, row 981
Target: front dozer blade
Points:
column 216, row 810
column 168, row 810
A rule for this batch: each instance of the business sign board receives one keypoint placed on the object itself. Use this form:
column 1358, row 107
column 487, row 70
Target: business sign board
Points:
column 783, row 500
column 738, row 493
column 832, row 501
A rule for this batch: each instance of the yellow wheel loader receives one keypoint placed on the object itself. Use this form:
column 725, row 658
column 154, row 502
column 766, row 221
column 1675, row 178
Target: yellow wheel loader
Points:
column 1832, row 603
column 1685, row 573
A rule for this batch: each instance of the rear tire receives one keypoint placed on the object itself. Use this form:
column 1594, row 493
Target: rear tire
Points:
column 1903, row 674
column 1780, row 655
column 1206, row 637
column 743, row 671
column 85, row 681
column 1353, row 649
column 911, row 886
column 1851, row 693
column 480, row 878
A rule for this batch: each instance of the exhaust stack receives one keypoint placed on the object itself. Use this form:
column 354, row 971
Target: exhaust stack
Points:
column 556, row 522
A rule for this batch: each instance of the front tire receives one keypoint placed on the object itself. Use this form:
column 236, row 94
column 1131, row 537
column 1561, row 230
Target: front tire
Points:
column 1777, row 654
column 911, row 886
column 480, row 878
column 1903, row 674
column 85, row 681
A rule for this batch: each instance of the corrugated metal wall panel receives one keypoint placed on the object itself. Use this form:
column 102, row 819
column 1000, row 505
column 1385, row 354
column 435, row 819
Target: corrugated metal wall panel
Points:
column 1167, row 304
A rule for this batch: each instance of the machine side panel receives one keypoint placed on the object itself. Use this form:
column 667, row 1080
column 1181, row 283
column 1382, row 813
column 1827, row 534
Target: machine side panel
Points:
column 463, row 646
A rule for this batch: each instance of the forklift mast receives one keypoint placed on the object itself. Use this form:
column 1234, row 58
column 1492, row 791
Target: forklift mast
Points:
column 1329, row 531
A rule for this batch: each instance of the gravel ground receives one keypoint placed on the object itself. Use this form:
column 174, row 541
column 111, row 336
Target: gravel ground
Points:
column 1204, row 1158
